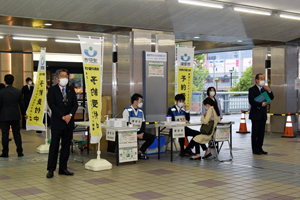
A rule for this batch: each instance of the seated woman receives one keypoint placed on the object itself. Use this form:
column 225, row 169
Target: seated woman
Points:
column 211, row 114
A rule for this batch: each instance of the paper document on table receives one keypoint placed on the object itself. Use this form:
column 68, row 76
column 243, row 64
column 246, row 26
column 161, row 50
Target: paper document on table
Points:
column 264, row 97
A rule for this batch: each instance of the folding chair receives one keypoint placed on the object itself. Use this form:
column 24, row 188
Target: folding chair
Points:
column 222, row 134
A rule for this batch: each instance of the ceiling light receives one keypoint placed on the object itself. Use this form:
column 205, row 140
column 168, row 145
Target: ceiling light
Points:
column 196, row 37
column 289, row 16
column 240, row 41
column 201, row 3
column 153, row 43
column 29, row 38
column 48, row 24
column 253, row 11
column 67, row 41
column 1, row 36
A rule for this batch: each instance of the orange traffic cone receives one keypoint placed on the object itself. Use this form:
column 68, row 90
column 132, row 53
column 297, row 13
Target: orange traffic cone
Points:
column 186, row 142
column 289, row 133
column 243, row 126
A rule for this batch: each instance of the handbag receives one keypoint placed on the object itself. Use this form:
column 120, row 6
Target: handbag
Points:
column 206, row 129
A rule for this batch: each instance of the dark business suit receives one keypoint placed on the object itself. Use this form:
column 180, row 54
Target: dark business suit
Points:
column 10, row 100
column 59, row 128
column 26, row 94
column 258, row 116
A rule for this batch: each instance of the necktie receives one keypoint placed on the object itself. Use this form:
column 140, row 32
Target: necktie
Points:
column 63, row 91
column 261, row 90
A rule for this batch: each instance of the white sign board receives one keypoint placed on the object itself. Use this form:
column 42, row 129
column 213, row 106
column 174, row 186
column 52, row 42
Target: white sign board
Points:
column 152, row 56
column 185, row 57
column 127, row 146
column 231, row 64
column 110, row 135
column 219, row 64
column 222, row 133
column 178, row 132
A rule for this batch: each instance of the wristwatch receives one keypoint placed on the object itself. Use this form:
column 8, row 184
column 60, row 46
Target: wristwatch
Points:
column 71, row 114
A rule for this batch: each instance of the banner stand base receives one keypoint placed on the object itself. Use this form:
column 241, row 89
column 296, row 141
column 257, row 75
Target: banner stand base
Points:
column 98, row 164
column 44, row 148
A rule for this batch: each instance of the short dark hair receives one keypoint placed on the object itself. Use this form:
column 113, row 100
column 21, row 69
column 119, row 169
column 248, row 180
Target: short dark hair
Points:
column 57, row 73
column 9, row 79
column 208, row 90
column 180, row 97
column 28, row 79
column 257, row 76
column 135, row 97
column 213, row 103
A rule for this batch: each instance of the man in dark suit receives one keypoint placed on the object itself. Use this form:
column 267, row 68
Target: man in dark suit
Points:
column 10, row 100
column 258, row 114
column 62, row 101
column 27, row 91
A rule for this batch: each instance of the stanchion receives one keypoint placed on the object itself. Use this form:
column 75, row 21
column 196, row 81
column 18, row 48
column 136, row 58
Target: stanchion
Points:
column 44, row 148
column 99, row 163
column 243, row 126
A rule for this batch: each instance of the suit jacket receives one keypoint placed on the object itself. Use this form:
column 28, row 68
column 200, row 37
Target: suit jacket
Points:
column 257, row 111
column 10, row 100
column 26, row 93
column 59, row 108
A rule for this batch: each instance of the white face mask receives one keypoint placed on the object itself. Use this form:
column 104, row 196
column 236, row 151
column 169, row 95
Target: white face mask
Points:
column 30, row 83
column 63, row 82
column 261, row 83
column 180, row 105
column 140, row 105
column 212, row 93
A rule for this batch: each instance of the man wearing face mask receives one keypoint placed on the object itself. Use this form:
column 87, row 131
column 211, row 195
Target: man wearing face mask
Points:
column 26, row 91
column 134, row 114
column 179, row 112
column 62, row 101
column 258, row 114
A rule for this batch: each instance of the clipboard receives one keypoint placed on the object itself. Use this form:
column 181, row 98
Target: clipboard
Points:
column 263, row 97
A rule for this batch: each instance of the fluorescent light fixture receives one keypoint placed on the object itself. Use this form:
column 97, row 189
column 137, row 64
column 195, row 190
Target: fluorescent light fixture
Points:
column 289, row 16
column 48, row 24
column 202, row 3
column 1, row 36
column 253, row 11
column 29, row 38
column 67, row 41
column 196, row 37
column 240, row 41
column 153, row 43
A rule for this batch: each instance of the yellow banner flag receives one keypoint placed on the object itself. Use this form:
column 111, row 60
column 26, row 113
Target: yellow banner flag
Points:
column 92, row 58
column 185, row 81
column 35, row 111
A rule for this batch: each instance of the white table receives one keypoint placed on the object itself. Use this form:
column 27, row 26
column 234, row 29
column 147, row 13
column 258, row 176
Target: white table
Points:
column 116, row 129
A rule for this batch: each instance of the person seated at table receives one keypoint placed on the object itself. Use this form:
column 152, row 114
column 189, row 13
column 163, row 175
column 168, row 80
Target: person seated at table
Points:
column 211, row 116
column 179, row 112
column 134, row 115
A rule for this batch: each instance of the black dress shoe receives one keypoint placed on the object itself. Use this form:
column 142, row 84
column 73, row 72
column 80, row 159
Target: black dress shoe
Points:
column 143, row 156
column 65, row 172
column 263, row 152
column 20, row 154
column 182, row 153
column 257, row 153
column 207, row 155
column 50, row 174
column 4, row 155
column 189, row 151
column 192, row 158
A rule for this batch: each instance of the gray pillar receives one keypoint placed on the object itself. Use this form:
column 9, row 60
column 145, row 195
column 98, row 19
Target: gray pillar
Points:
column 284, row 71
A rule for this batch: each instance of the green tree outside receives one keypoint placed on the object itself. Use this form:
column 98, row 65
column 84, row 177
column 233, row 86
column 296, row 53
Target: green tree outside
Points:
column 245, row 81
column 199, row 73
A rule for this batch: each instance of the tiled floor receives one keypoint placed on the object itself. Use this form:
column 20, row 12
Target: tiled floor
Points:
column 272, row 176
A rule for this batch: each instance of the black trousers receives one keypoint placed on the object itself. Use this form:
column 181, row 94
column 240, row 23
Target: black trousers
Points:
column 257, row 135
column 23, row 118
column 188, row 132
column 149, row 140
column 66, row 136
column 193, row 144
column 15, row 126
